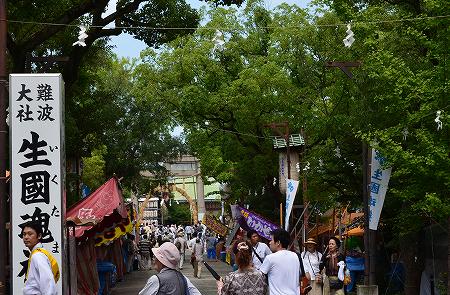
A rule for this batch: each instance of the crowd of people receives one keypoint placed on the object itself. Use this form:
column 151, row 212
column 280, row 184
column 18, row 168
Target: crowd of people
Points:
column 259, row 268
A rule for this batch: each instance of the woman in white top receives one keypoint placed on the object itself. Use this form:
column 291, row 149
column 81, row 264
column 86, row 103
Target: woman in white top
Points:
column 311, row 260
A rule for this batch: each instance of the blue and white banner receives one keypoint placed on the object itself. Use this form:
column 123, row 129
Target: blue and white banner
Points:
column 379, row 180
column 291, row 191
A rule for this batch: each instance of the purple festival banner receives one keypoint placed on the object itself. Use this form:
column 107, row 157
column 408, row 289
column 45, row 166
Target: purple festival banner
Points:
column 262, row 226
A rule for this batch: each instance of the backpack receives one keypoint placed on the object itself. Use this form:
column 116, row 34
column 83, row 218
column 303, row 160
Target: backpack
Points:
column 53, row 263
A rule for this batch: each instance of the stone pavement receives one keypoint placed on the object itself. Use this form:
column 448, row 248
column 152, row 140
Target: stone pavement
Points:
column 135, row 281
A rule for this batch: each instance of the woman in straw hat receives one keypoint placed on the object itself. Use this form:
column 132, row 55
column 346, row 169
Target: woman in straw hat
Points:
column 311, row 260
column 168, row 280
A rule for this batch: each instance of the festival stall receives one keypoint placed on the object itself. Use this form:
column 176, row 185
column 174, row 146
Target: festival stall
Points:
column 98, row 244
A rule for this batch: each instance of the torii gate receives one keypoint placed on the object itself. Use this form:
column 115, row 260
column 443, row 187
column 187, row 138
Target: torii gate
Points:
column 170, row 188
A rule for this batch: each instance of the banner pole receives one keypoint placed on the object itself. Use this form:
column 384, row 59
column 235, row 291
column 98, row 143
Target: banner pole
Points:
column 281, row 215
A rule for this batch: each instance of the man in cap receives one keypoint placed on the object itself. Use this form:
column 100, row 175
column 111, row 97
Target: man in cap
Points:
column 311, row 260
column 168, row 280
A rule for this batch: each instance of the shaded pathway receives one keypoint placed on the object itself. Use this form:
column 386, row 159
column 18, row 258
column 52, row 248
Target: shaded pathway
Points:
column 135, row 281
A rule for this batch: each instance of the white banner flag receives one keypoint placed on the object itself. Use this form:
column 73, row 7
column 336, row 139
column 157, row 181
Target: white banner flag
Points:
column 291, row 191
column 379, row 180
column 37, row 168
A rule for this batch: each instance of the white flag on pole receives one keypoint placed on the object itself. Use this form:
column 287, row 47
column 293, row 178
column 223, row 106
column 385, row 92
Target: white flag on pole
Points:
column 291, row 191
column 379, row 180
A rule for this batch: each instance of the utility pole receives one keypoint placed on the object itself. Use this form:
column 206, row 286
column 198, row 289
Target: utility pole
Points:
column 369, row 235
column 285, row 135
column 305, row 189
column 3, row 131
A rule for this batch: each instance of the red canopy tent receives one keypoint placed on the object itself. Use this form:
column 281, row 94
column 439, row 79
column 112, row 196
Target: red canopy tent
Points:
column 102, row 209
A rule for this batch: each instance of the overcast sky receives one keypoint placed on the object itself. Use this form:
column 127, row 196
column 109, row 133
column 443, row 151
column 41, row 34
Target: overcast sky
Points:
column 127, row 46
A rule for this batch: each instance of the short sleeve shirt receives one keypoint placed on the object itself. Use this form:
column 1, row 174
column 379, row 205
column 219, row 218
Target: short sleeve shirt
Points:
column 283, row 272
column 263, row 250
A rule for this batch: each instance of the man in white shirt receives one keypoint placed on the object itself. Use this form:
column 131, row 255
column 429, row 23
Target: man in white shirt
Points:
column 188, row 230
column 40, row 279
column 311, row 260
column 260, row 250
column 181, row 244
column 282, row 267
column 168, row 280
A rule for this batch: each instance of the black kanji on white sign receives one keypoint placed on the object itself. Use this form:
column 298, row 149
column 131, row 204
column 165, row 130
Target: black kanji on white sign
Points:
column 35, row 187
column 43, row 219
column 35, row 146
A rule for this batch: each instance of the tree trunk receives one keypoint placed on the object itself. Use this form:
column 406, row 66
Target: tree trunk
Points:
column 413, row 256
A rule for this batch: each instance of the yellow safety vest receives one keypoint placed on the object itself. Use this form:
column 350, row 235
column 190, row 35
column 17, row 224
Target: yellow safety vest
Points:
column 53, row 263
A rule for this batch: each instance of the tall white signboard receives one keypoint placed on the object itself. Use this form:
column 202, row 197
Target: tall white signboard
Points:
column 37, row 167
column 379, row 180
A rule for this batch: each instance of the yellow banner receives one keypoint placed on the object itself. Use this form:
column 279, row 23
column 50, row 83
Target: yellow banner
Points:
column 215, row 225
column 114, row 232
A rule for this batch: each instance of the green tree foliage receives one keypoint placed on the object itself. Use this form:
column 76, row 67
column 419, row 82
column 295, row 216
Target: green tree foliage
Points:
column 94, row 169
column 273, row 69
column 118, row 112
column 178, row 214
column 28, row 36
column 100, row 107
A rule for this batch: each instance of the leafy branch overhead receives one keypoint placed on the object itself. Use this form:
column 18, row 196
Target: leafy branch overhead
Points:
column 31, row 36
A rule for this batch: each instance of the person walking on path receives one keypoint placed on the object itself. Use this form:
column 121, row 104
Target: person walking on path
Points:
column 260, row 250
column 189, row 231
column 311, row 259
column 40, row 278
column 282, row 266
column 246, row 280
column 168, row 280
column 181, row 244
column 211, row 242
column 333, row 265
column 144, row 250
column 197, row 253
column 220, row 247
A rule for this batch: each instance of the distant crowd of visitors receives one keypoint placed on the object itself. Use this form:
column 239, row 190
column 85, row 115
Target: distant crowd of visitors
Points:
column 258, row 268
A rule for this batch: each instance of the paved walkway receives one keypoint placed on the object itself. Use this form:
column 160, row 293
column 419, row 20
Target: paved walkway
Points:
column 135, row 281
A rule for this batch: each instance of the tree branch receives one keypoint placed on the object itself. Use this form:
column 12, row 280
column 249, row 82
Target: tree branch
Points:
column 48, row 31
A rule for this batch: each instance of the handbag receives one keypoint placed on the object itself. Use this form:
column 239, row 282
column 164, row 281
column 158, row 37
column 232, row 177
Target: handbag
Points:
column 347, row 277
column 335, row 283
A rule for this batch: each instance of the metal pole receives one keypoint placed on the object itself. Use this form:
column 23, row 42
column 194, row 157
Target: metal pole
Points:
column 3, row 130
column 281, row 215
column 288, row 159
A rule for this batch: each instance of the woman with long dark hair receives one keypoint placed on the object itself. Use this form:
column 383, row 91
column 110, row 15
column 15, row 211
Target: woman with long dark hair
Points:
column 246, row 280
